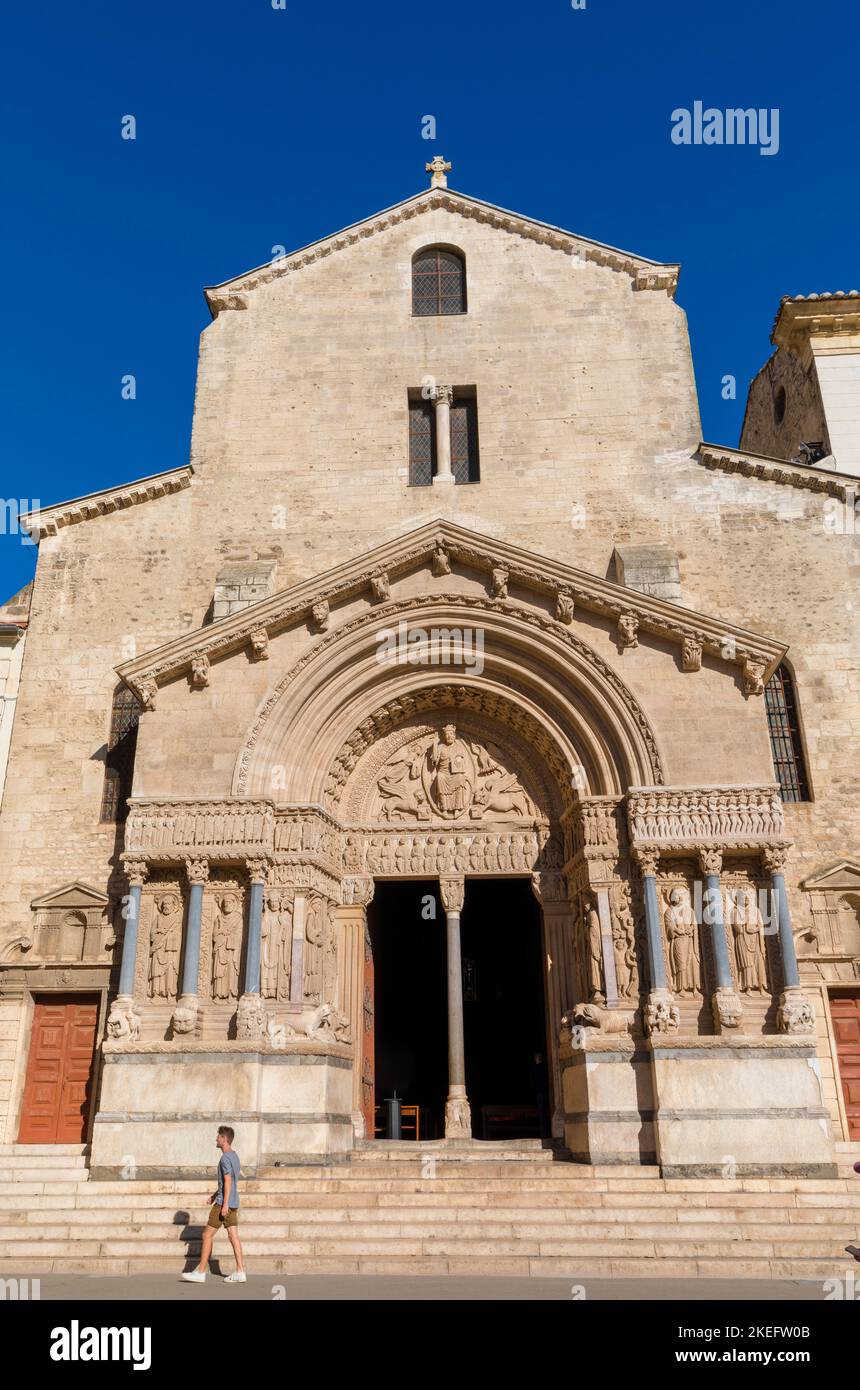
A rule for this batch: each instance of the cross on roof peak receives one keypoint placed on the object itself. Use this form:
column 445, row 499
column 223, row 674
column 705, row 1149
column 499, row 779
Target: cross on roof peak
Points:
column 438, row 167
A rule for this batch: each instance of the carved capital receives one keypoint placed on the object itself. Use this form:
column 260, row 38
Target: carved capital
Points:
column 136, row 871
column 647, row 861
column 452, row 892
column 357, row 891
column 710, row 861
column 443, row 395
column 197, row 870
column 774, row 859
column 257, row 870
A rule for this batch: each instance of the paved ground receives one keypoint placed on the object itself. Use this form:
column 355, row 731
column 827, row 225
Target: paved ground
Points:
column 78, row 1288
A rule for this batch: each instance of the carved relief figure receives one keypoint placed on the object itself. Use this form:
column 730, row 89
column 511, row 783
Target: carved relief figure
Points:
column 313, row 952
column 748, row 930
column 270, row 947
column 164, row 947
column 624, row 950
column 453, row 771
column 226, row 947
column 594, row 953
column 679, row 921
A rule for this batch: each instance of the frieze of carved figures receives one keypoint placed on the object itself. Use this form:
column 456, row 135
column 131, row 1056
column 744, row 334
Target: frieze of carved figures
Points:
column 357, row 890
column 277, row 945
column 675, row 816
column 159, row 827
column 451, row 777
column 682, row 942
column 744, row 919
column 593, row 828
column 165, row 941
column 226, row 946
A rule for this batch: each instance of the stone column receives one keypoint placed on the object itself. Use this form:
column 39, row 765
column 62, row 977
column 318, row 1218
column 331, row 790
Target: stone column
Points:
column 251, row 1014
column 458, row 1114
column 443, row 397
column 123, row 1020
column 556, row 914
column 352, row 920
column 796, row 1012
column 661, row 1013
column 185, row 1013
column 726, row 1003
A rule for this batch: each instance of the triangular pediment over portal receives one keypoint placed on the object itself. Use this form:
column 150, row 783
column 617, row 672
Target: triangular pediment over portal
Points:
column 842, row 877
column 518, row 581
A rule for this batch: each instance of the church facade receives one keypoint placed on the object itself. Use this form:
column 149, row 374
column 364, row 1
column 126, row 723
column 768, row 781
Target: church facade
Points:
column 454, row 715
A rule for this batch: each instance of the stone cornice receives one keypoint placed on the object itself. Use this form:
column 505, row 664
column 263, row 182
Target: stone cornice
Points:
column 644, row 274
column 801, row 317
column 771, row 470
column 757, row 656
column 47, row 521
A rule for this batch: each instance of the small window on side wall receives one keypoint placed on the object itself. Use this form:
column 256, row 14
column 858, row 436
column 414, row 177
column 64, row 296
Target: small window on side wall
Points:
column 438, row 282
column 783, row 722
column 119, row 763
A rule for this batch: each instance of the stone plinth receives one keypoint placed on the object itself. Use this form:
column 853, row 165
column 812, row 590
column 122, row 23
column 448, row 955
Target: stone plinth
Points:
column 752, row 1106
column 606, row 1088
column 161, row 1106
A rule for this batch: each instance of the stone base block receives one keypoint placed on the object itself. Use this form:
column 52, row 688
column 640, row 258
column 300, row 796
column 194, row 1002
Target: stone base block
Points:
column 161, row 1105
column 745, row 1107
column 606, row 1087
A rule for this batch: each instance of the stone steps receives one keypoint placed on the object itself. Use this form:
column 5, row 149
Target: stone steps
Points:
column 382, row 1214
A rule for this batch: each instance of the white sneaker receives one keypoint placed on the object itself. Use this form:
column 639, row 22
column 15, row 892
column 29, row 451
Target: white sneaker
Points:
column 237, row 1277
column 194, row 1276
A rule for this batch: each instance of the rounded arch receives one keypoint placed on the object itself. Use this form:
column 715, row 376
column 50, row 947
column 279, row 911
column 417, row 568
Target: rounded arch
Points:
column 438, row 281
column 530, row 673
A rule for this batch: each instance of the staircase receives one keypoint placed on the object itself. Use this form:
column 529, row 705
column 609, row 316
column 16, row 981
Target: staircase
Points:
column 503, row 1209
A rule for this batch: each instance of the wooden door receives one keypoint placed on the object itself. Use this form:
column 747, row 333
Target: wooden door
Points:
column 57, row 1091
column 845, row 1012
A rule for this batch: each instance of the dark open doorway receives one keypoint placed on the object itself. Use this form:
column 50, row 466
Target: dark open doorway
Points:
column 503, row 1007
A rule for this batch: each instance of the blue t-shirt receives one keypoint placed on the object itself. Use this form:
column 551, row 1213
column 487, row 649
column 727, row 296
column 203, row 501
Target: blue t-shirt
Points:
column 229, row 1164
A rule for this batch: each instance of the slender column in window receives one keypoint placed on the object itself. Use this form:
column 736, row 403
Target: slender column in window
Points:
column 443, row 397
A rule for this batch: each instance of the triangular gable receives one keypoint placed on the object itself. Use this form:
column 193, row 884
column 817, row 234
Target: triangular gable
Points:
column 644, row 274
column 72, row 895
column 841, row 877
column 442, row 542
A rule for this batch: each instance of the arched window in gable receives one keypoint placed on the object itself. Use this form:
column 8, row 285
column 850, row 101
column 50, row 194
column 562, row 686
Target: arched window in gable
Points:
column 786, row 742
column 438, row 282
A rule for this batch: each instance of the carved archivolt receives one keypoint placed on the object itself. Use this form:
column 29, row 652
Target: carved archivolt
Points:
column 590, row 696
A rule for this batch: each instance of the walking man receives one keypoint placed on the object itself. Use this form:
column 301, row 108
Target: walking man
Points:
column 224, row 1212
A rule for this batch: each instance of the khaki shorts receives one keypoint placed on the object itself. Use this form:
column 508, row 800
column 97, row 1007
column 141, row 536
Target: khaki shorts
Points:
column 216, row 1220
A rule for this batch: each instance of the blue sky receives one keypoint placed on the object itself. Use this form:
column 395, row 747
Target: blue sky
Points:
column 259, row 126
